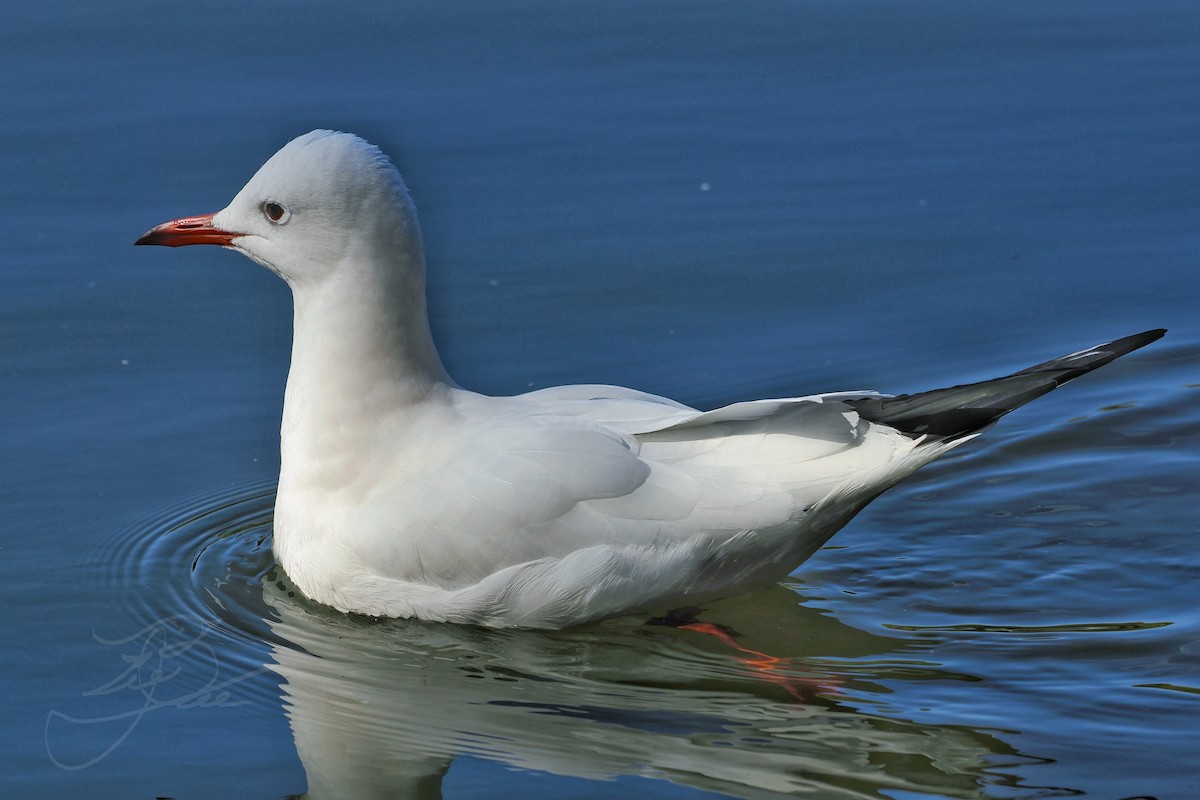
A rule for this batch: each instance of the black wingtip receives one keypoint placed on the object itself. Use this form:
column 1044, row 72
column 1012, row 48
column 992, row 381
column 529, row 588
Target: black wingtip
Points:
column 961, row 410
column 1087, row 360
column 1131, row 343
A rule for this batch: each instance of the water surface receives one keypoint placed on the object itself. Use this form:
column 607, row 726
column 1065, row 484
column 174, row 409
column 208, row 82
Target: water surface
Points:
column 712, row 202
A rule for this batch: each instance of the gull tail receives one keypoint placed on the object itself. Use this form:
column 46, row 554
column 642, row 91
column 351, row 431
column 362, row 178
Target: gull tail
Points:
column 962, row 410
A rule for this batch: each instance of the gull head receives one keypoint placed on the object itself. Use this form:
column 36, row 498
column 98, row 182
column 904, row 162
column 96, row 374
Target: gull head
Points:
column 326, row 203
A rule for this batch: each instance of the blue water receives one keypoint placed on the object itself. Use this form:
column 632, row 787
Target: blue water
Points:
column 709, row 201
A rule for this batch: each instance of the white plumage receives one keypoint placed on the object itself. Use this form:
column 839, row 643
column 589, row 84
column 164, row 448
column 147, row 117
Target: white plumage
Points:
column 403, row 494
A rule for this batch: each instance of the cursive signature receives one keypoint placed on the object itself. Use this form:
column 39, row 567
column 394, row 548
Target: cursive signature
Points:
column 163, row 661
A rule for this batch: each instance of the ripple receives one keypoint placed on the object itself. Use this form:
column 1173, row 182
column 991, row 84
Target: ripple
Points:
column 1079, row 627
column 202, row 560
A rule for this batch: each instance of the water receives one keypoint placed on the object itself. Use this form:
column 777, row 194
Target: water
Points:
column 706, row 201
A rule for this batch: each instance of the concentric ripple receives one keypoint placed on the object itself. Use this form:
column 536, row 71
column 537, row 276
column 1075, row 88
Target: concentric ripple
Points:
column 203, row 562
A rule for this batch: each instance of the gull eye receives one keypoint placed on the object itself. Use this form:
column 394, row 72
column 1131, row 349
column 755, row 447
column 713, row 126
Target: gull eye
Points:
column 275, row 212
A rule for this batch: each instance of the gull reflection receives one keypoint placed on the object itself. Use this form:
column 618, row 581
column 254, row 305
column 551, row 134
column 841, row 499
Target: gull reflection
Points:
column 761, row 706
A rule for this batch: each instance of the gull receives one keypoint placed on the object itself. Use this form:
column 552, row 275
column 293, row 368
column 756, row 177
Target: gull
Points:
column 403, row 494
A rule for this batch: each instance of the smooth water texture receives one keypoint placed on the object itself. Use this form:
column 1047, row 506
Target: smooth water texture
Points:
column 709, row 201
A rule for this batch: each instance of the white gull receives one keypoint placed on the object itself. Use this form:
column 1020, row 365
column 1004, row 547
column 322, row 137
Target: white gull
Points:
column 402, row 494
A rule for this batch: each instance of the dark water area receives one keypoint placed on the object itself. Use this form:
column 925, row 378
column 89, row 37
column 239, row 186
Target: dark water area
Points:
column 712, row 202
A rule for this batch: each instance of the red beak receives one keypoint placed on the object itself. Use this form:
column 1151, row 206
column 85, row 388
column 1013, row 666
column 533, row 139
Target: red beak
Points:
column 189, row 230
